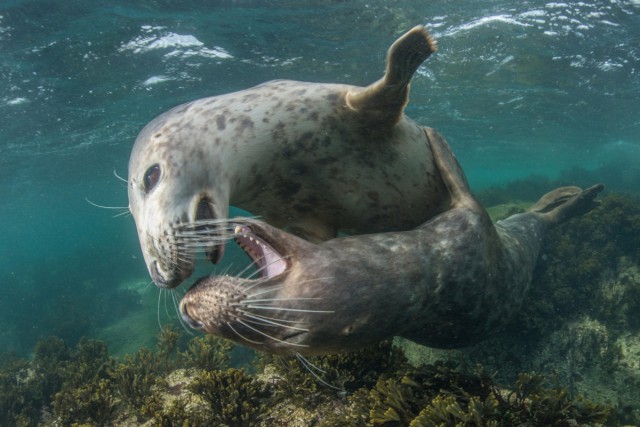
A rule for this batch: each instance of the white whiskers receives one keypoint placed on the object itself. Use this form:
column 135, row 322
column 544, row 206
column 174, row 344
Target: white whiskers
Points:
column 265, row 291
column 182, row 244
column 262, row 320
column 175, row 297
column 296, row 310
column 242, row 336
column 124, row 209
column 269, row 336
column 311, row 368
column 119, row 177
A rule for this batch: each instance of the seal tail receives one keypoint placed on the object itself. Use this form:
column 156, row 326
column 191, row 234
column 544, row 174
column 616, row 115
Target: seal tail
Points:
column 386, row 98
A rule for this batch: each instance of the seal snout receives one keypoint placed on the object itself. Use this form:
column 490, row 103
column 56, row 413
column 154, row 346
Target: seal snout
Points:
column 160, row 280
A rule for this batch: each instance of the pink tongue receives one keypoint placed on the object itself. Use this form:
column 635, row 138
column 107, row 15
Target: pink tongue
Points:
column 274, row 263
column 270, row 262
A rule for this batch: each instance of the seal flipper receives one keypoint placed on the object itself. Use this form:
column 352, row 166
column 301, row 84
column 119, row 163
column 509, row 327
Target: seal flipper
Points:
column 451, row 172
column 384, row 100
column 566, row 203
column 554, row 198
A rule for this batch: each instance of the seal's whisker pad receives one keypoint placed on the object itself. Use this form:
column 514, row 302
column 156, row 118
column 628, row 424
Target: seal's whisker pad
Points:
column 242, row 336
column 272, row 322
column 270, row 336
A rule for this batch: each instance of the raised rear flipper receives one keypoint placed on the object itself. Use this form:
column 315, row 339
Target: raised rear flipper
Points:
column 384, row 100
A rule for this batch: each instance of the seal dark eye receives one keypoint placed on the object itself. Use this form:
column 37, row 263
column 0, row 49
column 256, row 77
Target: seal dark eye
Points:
column 151, row 178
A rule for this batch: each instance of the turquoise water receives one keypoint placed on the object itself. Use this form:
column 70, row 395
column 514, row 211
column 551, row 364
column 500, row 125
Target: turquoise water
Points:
column 518, row 88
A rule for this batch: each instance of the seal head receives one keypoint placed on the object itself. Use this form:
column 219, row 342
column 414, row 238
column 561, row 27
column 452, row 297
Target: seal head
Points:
column 172, row 219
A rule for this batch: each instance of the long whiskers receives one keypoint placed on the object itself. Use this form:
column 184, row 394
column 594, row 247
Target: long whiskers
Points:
column 206, row 222
column 274, row 288
column 311, row 368
column 242, row 336
column 175, row 297
column 180, row 254
column 269, row 336
column 123, row 213
column 176, row 305
column 189, row 240
column 269, row 318
column 247, row 268
column 158, row 309
column 261, row 320
column 267, row 290
column 278, row 299
column 198, row 237
column 119, row 177
column 124, row 209
column 296, row 310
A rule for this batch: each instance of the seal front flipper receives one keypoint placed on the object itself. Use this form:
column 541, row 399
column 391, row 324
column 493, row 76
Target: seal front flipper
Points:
column 384, row 100
column 452, row 174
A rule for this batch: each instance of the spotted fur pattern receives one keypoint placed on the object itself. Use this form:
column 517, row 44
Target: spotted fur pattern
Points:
column 297, row 154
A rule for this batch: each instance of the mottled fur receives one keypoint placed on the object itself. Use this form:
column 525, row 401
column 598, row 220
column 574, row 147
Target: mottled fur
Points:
column 314, row 158
column 448, row 283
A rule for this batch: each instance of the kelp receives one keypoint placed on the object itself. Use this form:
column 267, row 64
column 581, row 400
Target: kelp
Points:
column 374, row 387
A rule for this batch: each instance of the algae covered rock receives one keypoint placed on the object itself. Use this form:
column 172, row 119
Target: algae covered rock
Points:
column 235, row 398
column 580, row 323
column 377, row 387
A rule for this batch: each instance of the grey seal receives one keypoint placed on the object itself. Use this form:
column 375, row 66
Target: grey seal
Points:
column 449, row 283
column 314, row 158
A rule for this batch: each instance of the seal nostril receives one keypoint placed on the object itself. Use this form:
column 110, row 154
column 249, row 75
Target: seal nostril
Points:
column 159, row 279
column 204, row 210
column 155, row 274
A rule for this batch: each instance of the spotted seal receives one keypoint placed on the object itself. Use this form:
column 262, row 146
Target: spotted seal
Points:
column 448, row 283
column 314, row 158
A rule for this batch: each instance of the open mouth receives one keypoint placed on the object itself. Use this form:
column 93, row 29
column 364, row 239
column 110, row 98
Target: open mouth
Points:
column 268, row 262
column 215, row 254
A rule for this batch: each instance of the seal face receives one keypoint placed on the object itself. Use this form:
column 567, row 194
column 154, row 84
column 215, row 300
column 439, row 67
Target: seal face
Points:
column 314, row 158
column 448, row 283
